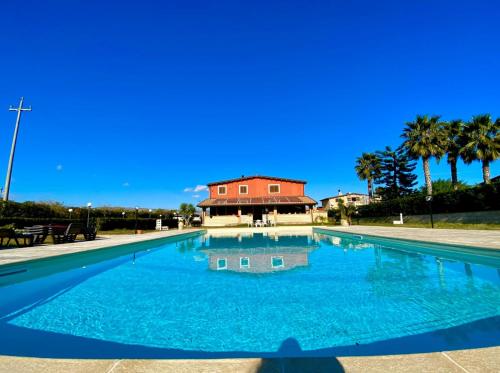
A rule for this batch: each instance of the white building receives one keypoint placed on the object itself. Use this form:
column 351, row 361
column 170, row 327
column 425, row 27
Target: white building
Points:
column 358, row 199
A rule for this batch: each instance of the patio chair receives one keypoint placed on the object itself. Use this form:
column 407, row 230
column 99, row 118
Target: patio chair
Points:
column 61, row 234
column 39, row 232
column 89, row 233
column 11, row 234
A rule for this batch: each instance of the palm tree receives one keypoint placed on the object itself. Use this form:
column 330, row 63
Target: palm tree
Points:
column 368, row 168
column 453, row 130
column 424, row 139
column 481, row 142
column 346, row 211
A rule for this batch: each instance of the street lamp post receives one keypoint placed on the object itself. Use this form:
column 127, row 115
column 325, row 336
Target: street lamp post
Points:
column 70, row 212
column 89, row 206
column 429, row 200
column 123, row 214
column 150, row 211
column 136, row 212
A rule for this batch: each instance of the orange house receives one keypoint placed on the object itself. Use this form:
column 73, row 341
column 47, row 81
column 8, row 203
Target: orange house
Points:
column 247, row 199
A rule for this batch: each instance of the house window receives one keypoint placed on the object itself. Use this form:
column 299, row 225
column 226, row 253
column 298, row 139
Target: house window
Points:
column 221, row 263
column 221, row 189
column 243, row 189
column 277, row 262
column 274, row 188
column 245, row 262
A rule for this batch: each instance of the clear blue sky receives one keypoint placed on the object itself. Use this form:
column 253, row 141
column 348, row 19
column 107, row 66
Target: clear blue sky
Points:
column 135, row 101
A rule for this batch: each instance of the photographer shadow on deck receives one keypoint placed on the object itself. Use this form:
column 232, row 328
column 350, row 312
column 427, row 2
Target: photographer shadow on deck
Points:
column 291, row 347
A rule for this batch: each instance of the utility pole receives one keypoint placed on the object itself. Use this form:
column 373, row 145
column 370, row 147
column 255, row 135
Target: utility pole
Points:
column 19, row 110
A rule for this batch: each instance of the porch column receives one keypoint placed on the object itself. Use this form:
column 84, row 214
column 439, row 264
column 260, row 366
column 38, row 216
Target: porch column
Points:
column 203, row 215
column 275, row 213
column 239, row 214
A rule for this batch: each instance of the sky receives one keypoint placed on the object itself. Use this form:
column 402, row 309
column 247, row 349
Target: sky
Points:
column 141, row 103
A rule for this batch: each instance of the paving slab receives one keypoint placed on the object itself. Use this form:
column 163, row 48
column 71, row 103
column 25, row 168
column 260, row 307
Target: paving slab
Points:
column 431, row 363
column 33, row 365
column 489, row 239
column 188, row 366
column 484, row 360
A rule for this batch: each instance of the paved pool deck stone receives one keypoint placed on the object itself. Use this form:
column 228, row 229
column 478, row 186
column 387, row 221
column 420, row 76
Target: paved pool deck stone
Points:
column 475, row 360
column 489, row 239
column 21, row 254
column 485, row 360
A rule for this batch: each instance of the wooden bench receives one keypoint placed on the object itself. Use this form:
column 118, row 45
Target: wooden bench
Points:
column 62, row 234
column 10, row 234
column 39, row 232
column 89, row 233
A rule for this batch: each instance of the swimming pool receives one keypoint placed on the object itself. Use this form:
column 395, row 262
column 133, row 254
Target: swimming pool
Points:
column 269, row 294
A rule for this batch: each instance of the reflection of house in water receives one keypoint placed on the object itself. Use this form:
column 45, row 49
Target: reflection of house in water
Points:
column 260, row 254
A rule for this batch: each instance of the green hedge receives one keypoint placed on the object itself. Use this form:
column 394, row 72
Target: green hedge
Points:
column 54, row 210
column 480, row 198
column 103, row 224
column 20, row 222
column 108, row 224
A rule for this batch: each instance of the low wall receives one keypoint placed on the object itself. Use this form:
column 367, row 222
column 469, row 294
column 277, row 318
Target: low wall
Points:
column 320, row 216
column 294, row 218
column 221, row 221
column 233, row 220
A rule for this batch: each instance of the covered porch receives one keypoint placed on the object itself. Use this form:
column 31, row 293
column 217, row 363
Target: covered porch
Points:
column 227, row 212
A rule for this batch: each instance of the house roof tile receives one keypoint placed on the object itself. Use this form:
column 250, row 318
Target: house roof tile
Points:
column 299, row 200
column 243, row 178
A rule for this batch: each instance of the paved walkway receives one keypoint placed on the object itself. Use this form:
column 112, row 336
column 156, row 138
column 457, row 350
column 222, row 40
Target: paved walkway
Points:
column 480, row 238
column 15, row 255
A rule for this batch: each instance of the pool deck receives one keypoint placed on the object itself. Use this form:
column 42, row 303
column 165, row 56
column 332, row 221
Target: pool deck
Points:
column 488, row 239
column 18, row 255
column 474, row 360
column 484, row 360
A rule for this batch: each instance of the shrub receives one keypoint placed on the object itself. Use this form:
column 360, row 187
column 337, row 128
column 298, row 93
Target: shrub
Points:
column 479, row 198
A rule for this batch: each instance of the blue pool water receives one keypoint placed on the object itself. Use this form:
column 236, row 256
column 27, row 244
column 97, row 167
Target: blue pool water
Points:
column 260, row 294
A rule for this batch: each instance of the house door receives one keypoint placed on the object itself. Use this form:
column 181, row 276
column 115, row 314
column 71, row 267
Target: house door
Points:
column 257, row 212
